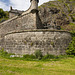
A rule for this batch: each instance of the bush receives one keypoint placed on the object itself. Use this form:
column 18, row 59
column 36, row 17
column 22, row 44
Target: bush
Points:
column 38, row 54
column 71, row 48
column 73, row 33
column 48, row 56
column 3, row 53
column 29, row 56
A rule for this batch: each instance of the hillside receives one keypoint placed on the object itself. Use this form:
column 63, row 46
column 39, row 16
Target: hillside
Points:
column 60, row 12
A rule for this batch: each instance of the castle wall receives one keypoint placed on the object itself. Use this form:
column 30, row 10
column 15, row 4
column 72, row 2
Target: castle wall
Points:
column 27, row 20
column 27, row 42
column 24, row 22
column 11, row 15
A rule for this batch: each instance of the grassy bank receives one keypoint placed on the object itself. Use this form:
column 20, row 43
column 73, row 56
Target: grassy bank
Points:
column 22, row 67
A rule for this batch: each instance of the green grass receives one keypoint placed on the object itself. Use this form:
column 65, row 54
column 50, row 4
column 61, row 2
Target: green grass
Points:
column 48, row 65
column 21, row 67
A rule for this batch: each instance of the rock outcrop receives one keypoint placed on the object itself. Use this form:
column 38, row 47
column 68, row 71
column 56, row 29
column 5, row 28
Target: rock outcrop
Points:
column 60, row 12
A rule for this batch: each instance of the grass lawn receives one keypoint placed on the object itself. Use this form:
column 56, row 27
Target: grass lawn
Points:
column 22, row 67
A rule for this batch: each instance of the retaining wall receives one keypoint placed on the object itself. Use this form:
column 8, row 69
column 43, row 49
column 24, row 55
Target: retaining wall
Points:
column 27, row 42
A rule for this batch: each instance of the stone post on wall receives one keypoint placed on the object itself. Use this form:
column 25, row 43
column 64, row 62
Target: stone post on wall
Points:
column 34, row 4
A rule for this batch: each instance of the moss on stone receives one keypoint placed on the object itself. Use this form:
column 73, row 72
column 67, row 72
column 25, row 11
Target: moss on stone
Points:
column 31, row 43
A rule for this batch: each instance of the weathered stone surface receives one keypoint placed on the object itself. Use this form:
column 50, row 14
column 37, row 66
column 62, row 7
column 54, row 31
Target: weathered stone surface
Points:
column 57, row 12
column 52, row 42
column 21, row 23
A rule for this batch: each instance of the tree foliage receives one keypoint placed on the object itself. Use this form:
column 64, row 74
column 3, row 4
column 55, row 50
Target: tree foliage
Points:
column 3, row 15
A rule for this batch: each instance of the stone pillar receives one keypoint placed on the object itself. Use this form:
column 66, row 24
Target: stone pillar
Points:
column 10, row 8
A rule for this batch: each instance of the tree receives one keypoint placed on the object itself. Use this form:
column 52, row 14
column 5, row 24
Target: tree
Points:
column 2, row 13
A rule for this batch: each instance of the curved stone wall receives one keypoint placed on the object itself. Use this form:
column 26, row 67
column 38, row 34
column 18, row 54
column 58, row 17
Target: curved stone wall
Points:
column 27, row 42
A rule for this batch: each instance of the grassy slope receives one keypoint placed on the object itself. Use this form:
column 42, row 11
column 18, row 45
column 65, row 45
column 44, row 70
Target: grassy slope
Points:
column 20, row 67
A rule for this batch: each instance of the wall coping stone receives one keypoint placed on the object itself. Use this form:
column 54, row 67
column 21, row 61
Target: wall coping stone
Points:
column 36, row 30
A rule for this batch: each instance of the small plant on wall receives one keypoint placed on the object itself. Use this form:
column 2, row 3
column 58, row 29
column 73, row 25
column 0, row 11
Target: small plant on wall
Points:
column 25, row 42
column 38, row 54
column 32, row 44
column 52, row 43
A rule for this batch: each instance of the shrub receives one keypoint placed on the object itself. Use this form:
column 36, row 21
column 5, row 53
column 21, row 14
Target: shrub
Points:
column 48, row 56
column 38, row 54
column 3, row 53
column 73, row 33
column 29, row 56
column 71, row 48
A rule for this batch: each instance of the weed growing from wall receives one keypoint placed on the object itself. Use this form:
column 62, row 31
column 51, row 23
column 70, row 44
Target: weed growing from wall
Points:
column 38, row 54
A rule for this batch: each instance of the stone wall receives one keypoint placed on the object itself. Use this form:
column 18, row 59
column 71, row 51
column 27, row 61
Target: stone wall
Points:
column 24, row 22
column 27, row 42
column 11, row 15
